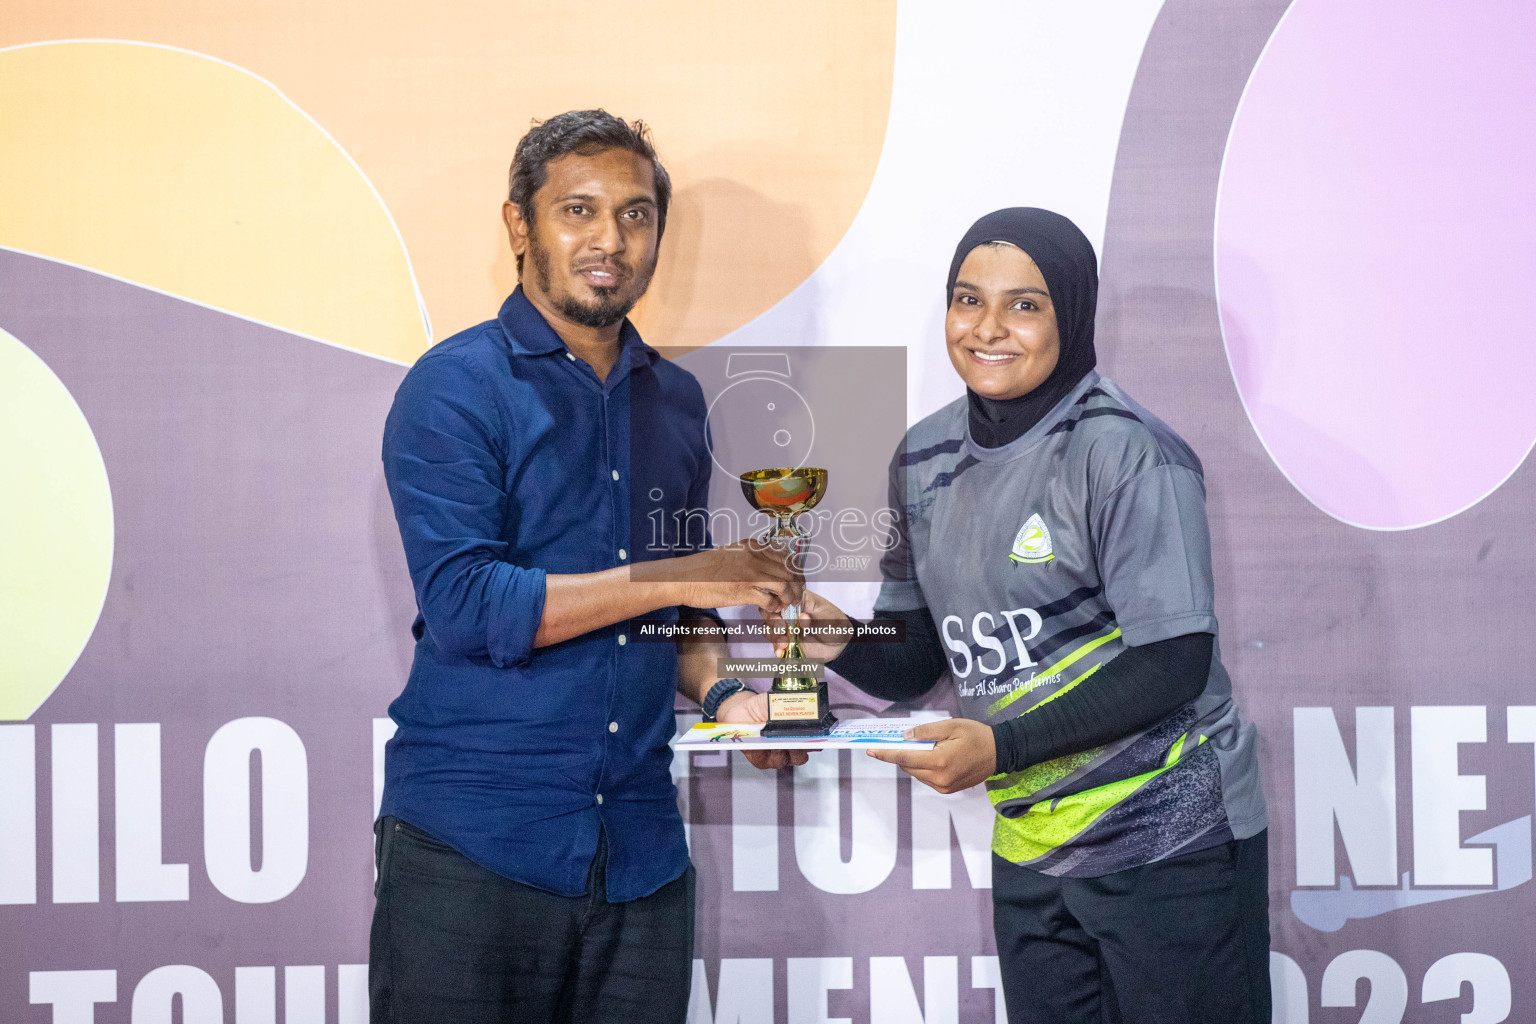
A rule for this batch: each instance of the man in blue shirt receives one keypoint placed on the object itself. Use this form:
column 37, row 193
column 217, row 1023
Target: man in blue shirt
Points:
column 531, row 859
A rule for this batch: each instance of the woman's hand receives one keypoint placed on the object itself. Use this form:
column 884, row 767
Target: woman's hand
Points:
column 816, row 611
column 964, row 754
column 747, row 706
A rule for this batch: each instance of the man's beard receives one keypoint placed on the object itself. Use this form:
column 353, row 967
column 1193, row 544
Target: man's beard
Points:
column 611, row 307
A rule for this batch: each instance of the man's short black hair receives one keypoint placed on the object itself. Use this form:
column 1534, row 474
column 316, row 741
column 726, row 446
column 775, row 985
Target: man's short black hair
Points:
column 585, row 132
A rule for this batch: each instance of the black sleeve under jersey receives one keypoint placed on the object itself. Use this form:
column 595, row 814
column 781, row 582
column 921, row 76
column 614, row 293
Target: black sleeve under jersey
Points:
column 895, row 671
column 1140, row 687
column 1137, row 689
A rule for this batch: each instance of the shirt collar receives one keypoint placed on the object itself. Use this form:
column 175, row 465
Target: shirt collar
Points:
column 529, row 334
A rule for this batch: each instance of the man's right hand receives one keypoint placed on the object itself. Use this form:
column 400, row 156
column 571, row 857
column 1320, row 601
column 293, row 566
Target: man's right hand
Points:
column 747, row 572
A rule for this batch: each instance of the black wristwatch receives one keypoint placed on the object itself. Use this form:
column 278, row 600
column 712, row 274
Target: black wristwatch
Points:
column 717, row 694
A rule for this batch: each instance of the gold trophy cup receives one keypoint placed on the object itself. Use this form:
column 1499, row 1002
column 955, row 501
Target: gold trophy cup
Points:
column 797, row 704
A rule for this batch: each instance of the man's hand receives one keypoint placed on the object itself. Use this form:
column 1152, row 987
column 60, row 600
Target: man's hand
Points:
column 963, row 756
column 753, row 707
column 747, row 572
column 815, row 611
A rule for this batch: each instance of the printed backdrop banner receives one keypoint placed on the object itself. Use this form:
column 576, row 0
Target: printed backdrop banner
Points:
column 226, row 230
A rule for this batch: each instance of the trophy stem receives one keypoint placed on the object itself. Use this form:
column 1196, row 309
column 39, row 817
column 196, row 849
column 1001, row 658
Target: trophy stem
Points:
column 791, row 616
column 793, row 652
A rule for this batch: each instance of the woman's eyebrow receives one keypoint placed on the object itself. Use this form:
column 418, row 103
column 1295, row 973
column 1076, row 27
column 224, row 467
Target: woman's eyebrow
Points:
column 1026, row 290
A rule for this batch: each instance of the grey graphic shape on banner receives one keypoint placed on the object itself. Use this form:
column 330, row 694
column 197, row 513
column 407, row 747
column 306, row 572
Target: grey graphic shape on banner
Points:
column 1315, row 613
column 1328, row 910
column 769, row 423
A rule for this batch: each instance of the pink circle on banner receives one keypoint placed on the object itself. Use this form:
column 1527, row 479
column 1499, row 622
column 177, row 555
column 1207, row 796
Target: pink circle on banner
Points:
column 1375, row 250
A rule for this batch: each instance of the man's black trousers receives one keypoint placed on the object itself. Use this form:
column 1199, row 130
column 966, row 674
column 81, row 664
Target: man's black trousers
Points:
column 453, row 942
column 1181, row 941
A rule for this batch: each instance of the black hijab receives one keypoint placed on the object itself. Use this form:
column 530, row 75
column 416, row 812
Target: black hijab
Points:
column 1066, row 261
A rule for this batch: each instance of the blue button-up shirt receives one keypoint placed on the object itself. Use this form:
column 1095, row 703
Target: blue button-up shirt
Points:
column 508, row 459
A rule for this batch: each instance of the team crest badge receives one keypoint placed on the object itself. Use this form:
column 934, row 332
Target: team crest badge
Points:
column 1032, row 543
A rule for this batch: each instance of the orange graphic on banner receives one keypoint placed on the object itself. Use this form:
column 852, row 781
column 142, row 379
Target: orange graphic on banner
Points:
column 770, row 117
column 176, row 171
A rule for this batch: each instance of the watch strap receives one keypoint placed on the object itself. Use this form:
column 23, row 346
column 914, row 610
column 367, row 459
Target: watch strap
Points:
column 717, row 695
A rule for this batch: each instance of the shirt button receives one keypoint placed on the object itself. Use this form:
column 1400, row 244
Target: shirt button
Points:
column 599, row 798
column 570, row 355
column 623, row 554
column 623, row 639
column 613, row 726
column 615, row 474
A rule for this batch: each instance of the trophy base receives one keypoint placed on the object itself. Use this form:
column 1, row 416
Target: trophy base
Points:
column 799, row 712
column 822, row 727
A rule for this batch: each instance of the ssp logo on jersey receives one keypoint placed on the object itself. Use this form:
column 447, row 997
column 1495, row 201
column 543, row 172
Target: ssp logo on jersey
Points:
column 1032, row 543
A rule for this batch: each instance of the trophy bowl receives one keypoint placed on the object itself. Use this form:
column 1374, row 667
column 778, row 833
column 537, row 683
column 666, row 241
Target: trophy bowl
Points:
column 784, row 493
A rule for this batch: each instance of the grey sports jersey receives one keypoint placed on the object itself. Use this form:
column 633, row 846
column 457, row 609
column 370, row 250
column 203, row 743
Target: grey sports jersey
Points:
column 1040, row 561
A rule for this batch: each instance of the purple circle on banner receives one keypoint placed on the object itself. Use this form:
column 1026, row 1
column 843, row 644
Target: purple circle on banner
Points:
column 1374, row 254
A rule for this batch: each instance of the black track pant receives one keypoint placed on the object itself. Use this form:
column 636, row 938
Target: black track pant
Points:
column 1181, row 941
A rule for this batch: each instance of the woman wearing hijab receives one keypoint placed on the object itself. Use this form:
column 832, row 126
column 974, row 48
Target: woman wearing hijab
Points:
column 1052, row 556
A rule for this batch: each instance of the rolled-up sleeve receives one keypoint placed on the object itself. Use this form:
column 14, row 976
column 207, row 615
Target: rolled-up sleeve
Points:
column 446, row 447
